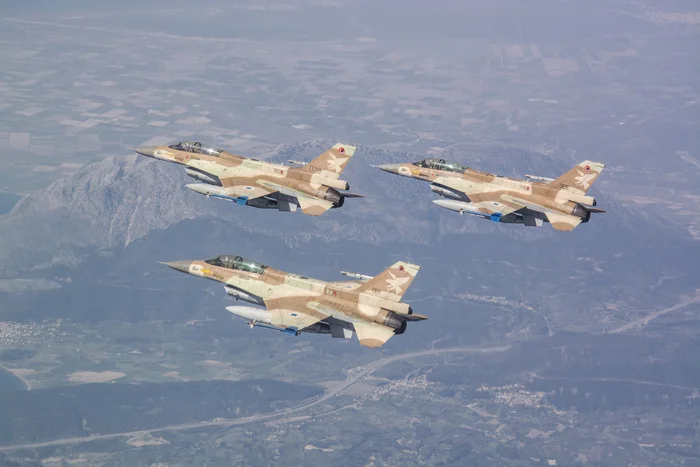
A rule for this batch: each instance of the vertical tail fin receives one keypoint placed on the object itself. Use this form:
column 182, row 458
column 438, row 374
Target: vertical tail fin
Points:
column 579, row 179
column 392, row 283
column 332, row 162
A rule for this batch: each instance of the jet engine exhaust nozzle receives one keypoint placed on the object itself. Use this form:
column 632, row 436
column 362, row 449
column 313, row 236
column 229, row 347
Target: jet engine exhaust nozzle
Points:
column 581, row 212
column 335, row 197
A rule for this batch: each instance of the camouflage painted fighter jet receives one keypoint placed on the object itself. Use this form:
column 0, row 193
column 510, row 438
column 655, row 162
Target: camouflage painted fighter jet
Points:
column 561, row 201
column 250, row 182
column 369, row 306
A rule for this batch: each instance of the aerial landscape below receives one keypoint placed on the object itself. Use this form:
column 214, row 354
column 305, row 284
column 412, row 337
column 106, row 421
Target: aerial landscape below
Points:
column 411, row 334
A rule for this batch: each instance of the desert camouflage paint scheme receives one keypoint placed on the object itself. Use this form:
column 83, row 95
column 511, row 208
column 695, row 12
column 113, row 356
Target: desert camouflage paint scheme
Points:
column 314, row 186
column 561, row 201
column 369, row 306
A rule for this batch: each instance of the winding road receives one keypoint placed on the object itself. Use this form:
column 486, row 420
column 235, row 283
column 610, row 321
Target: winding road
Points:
column 334, row 391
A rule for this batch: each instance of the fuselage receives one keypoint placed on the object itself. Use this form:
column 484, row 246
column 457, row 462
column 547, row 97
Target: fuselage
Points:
column 237, row 173
column 282, row 290
column 466, row 183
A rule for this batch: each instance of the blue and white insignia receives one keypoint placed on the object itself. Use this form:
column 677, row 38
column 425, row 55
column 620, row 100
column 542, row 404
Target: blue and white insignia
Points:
column 495, row 204
column 293, row 314
column 248, row 188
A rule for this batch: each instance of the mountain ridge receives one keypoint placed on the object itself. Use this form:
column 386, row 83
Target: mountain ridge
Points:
column 112, row 203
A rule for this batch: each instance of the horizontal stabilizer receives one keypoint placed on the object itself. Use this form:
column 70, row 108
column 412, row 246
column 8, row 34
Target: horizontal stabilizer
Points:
column 563, row 222
column 372, row 335
column 313, row 206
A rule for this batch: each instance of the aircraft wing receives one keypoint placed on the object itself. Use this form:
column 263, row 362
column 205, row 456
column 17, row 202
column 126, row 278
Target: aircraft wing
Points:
column 287, row 313
column 492, row 202
column 558, row 220
column 498, row 202
column 309, row 204
column 369, row 334
column 239, row 187
column 487, row 202
column 372, row 334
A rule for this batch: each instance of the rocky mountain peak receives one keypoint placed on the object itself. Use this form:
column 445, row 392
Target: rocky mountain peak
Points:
column 121, row 198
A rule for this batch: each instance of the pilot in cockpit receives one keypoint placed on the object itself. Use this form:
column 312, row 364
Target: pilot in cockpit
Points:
column 187, row 146
column 196, row 148
column 441, row 164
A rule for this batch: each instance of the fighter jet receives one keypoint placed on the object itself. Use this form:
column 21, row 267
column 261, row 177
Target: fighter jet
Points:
column 369, row 306
column 561, row 201
column 250, row 182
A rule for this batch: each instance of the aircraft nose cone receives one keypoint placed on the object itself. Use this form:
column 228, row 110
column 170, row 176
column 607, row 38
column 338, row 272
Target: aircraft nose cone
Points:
column 145, row 150
column 182, row 266
column 391, row 168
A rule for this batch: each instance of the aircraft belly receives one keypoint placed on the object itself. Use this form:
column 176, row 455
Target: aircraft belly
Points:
column 531, row 221
column 287, row 206
column 285, row 202
column 339, row 329
column 532, row 213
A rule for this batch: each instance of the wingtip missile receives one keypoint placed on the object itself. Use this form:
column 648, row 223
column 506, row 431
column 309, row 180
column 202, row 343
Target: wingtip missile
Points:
column 356, row 275
column 537, row 178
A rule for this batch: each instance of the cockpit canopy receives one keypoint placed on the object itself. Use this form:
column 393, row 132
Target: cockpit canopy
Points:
column 440, row 164
column 197, row 148
column 238, row 263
